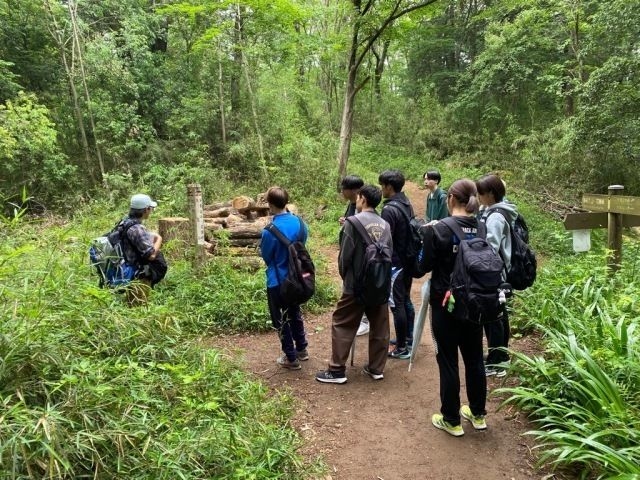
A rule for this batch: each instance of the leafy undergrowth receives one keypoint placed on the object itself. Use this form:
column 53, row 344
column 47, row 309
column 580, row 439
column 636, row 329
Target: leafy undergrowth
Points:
column 93, row 389
column 582, row 392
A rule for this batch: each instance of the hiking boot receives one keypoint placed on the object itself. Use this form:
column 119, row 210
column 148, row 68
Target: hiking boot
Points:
column 303, row 355
column 284, row 362
column 363, row 329
column 373, row 374
column 401, row 354
column 477, row 421
column 328, row 376
column 439, row 422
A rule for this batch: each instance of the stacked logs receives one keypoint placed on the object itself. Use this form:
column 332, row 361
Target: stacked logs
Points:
column 231, row 228
column 235, row 227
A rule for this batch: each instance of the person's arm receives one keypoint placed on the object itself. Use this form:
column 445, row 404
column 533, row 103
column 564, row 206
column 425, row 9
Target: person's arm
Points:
column 427, row 257
column 496, row 224
column 347, row 249
column 157, row 243
column 442, row 211
column 267, row 245
column 142, row 242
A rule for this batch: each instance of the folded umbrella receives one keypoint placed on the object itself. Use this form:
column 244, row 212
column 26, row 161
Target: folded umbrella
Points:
column 418, row 325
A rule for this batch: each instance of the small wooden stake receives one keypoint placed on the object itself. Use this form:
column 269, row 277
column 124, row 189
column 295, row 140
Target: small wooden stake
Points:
column 614, row 226
column 196, row 211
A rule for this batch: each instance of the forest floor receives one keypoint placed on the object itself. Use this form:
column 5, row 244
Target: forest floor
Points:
column 381, row 430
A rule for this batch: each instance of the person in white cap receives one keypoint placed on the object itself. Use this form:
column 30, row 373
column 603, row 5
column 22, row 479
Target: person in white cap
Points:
column 141, row 247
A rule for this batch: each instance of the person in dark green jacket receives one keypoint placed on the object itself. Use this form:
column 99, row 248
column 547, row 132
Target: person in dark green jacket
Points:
column 437, row 199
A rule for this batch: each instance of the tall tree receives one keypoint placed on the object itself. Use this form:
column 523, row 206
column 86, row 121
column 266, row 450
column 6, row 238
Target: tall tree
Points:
column 369, row 20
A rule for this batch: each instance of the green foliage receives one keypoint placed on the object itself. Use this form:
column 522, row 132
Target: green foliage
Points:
column 582, row 392
column 91, row 387
column 29, row 152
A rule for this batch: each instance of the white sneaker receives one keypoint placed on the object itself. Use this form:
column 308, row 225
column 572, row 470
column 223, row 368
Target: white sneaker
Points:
column 363, row 329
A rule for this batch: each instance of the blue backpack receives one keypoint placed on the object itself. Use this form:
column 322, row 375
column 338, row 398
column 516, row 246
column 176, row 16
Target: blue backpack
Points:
column 106, row 254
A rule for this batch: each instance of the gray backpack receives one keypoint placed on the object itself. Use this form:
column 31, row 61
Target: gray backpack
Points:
column 373, row 282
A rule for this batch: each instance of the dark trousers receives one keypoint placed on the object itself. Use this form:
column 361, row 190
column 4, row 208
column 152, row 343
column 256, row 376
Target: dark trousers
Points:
column 344, row 326
column 287, row 321
column 154, row 270
column 498, row 334
column 450, row 335
column 402, row 308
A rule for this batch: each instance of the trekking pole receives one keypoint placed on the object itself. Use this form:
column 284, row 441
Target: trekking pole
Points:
column 353, row 350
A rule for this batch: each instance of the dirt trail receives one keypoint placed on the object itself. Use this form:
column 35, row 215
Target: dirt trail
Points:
column 382, row 430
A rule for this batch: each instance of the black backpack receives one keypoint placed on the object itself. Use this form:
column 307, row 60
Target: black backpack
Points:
column 300, row 283
column 522, row 272
column 414, row 242
column 373, row 282
column 476, row 279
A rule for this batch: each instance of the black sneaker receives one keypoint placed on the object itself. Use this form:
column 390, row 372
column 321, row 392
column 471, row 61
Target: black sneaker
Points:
column 401, row 354
column 327, row 376
column 394, row 342
column 372, row 374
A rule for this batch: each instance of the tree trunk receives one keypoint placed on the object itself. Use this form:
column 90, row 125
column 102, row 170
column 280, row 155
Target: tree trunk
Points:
column 346, row 126
column 57, row 34
column 254, row 115
column 76, row 41
column 174, row 228
column 358, row 50
column 223, row 128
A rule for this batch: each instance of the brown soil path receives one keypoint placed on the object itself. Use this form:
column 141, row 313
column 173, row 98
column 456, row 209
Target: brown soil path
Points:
column 382, row 430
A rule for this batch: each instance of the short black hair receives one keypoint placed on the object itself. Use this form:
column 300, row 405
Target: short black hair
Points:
column 278, row 197
column 432, row 175
column 136, row 212
column 491, row 184
column 371, row 194
column 351, row 182
column 395, row 178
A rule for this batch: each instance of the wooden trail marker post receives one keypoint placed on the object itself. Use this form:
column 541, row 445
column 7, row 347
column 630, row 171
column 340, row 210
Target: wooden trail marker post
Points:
column 196, row 215
column 613, row 211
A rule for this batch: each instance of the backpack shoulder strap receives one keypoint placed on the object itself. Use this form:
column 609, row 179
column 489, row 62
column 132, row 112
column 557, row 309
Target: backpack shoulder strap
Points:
column 501, row 211
column 301, row 231
column 455, row 228
column 357, row 224
column 278, row 234
column 399, row 207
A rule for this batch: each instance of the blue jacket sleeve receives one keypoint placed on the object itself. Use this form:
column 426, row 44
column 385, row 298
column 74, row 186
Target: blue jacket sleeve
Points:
column 267, row 246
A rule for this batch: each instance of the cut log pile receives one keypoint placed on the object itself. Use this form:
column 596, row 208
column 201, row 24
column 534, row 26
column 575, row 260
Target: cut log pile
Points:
column 231, row 228
column 234, row 228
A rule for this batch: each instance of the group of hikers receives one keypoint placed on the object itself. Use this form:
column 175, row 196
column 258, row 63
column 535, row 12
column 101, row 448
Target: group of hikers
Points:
column 468, row 209
column 378, row 261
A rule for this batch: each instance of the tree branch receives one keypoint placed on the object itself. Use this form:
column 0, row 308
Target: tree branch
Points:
column 390, row 19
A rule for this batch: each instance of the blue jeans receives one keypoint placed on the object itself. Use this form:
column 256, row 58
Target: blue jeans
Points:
column 287, row 321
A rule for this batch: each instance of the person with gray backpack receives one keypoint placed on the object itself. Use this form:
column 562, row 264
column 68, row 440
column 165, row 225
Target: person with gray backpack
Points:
column 365, row 267
column 130, row 252
column 499, row 217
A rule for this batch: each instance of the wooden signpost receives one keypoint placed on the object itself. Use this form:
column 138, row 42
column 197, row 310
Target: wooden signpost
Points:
column 613, row 211
column 196, row 208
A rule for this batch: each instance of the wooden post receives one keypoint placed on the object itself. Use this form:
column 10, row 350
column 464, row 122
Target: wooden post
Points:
column 196, row 214
column 614, row 227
